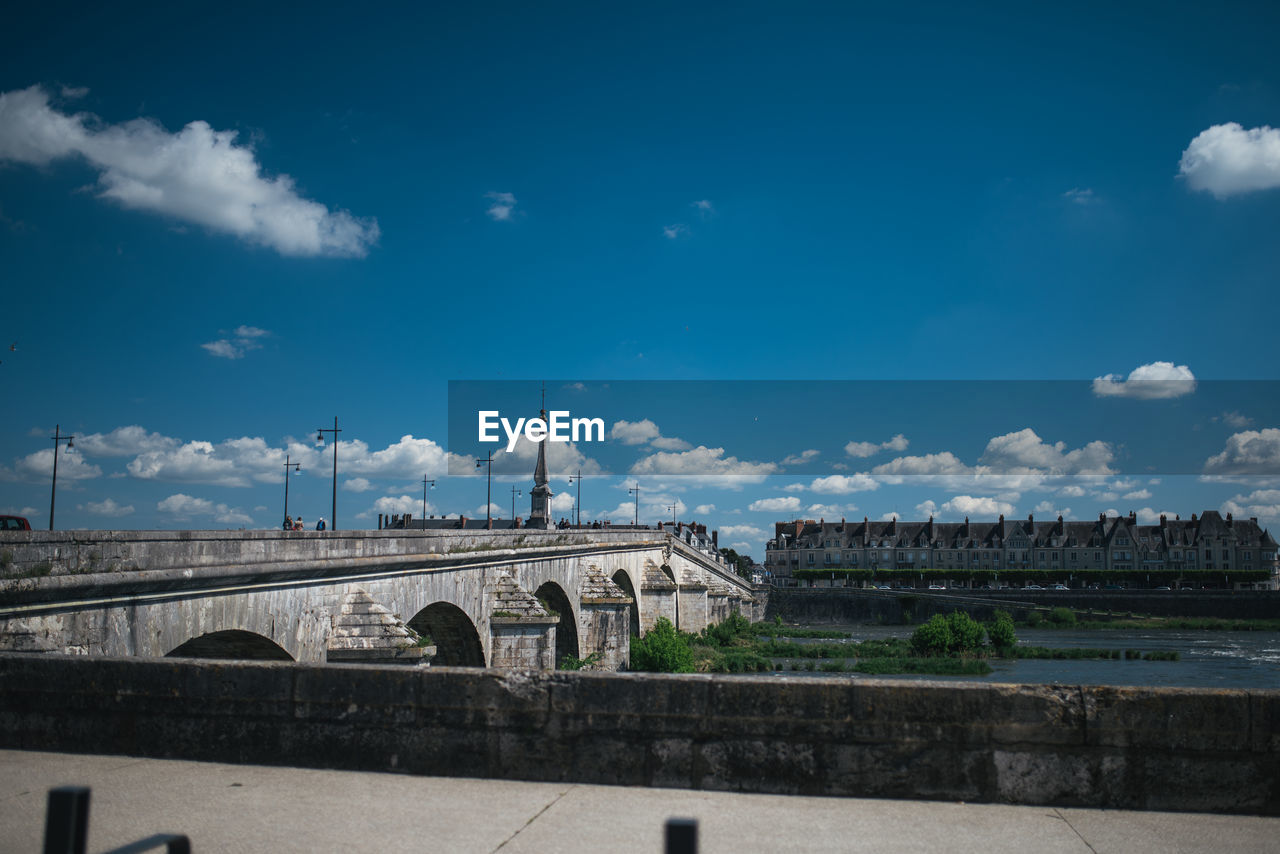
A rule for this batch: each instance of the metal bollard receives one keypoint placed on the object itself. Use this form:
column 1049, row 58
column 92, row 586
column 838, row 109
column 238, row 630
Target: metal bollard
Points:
column 66, row 823
column 682, row 836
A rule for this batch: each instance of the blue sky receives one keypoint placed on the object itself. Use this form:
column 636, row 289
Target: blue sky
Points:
column 228, row 228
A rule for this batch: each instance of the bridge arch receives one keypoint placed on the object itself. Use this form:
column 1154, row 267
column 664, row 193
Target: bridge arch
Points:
column 455, row 637
column 623, row 580
column 231, row 643
column 567, row 630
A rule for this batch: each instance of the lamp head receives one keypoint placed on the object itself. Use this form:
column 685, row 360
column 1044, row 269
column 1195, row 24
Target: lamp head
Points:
column 70, row 444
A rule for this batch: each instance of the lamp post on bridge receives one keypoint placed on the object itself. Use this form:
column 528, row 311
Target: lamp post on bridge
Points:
column 288, row 466
column 424, row 497
column 488, row 489
column 58, row 439
column 515, row 493
column 577, row 504
column 636, row 491
column 672, row 508
column 333, row 512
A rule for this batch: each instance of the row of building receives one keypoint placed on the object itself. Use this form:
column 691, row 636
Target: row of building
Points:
column 1116, row 543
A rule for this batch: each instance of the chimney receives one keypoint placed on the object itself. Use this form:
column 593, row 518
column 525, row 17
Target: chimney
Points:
column 1102, row 517
column 715, row 540
column 516, row 522
column 1229, row 520
column 379, row 521
column 462, row 521
column 1133, row 517
column 1031, row 521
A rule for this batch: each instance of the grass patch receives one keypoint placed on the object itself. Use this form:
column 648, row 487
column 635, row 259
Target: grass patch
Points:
column 1206, row 624
column 931, row 666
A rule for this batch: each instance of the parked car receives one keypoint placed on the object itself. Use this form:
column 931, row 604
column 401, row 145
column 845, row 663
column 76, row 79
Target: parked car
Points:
column 1059, row 587
column 1164, row 587
column 1032, row 587
column 14, row 523
column 936, row 587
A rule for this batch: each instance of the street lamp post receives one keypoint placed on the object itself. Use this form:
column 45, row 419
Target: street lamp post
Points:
column 636, row 491
column 577, row 504
column 287, row 466
column 488, row 490
column 58, row 439
column 515, row 493
column 333, row 512
column 424, row 497
column 672, row 508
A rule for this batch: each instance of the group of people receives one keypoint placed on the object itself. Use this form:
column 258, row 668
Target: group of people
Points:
column 296, row 524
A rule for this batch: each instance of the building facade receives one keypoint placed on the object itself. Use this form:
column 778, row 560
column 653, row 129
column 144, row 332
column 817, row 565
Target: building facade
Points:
column 1203, row 543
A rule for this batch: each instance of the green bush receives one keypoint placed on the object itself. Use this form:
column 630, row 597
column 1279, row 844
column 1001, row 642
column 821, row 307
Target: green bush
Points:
column 662, row 650
column 1000, row 631
column 1062, row 617
column 966, row 632
column 934, row 637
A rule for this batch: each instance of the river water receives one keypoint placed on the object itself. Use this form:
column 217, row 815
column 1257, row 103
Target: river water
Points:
column 1208, row 659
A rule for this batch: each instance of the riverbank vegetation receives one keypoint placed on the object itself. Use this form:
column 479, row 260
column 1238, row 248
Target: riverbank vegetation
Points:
column 950, row 645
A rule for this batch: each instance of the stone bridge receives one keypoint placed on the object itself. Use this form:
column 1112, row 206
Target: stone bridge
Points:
column 483, row 598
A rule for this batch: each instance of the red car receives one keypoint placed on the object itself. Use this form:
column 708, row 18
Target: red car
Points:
column 14, row 523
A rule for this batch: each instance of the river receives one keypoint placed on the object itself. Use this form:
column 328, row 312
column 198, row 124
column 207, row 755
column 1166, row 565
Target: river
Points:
column 1209, row 659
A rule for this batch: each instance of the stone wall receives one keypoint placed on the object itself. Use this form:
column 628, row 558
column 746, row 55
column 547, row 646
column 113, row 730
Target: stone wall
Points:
column 1130, row 748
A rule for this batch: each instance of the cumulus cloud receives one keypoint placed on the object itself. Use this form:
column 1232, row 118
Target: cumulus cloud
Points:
column 709, row 465
column 244, row 339
column 1024, row 451
column 503, row 206
column 1262, row 503
column 563, row 502
column 742, row 531
column 1154, row 381
column 800, row 458
column 927, row 508
column 183, row 507
column 703, row 207
column 123, row 442
column 1227, row 160
column 828, row 511
column 634, row 432
column 38, row 466
column 671, row 232
column 1079, row 196
column 107, row 508
column 357, row 484
column 789, row 504
column 843, row 484
column 1248, row 452
column 1235, row 419
column 1137, row 495
column 704, row 509
column 1147, row 516
column 397, row 505
column 862, row 450
column 1051, row 509
column 968, row 505
column 197, row 175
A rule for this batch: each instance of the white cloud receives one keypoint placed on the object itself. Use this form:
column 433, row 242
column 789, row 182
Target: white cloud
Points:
column 926, row 509
column 751, row 531
column 789, row 504
column 709, row 465
column 843, row 484
column 794, row 487
column 182, row 507
column 1071, row 491
column 245, row 338
column 397, row 505
column 1137, row 495
column 1049, row 508
column 1147, row 516
column 670, row 443
column 563, row 459
column 634, row 432
column 38, row 466
column 124, row 442
column 503, row 206
column 1154, row 381
column 1024, row 451
column 407, row 458
column 1262, row 503
column 828, row 511
column 671, row 232
column 357, row 484
column 1236, row 420
column 1248, row 452
column 704, row 208
column 800, row 458
column 1227, row 160
column 862, row 450
column 704, row 509
column 107, row 508
column 562, row 502
column 968, row 505
column 197, row 175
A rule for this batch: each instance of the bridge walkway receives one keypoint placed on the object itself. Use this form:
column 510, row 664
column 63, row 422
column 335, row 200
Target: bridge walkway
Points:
column 258, row 808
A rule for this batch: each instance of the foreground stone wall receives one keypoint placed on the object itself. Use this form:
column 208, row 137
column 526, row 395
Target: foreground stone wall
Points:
column 1131, row 748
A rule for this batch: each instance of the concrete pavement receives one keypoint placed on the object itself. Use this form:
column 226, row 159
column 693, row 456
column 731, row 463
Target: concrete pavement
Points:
column 244, row 808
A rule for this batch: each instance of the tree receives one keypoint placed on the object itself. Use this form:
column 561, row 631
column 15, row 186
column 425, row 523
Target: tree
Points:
column 741, row 563
column 662, row 650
